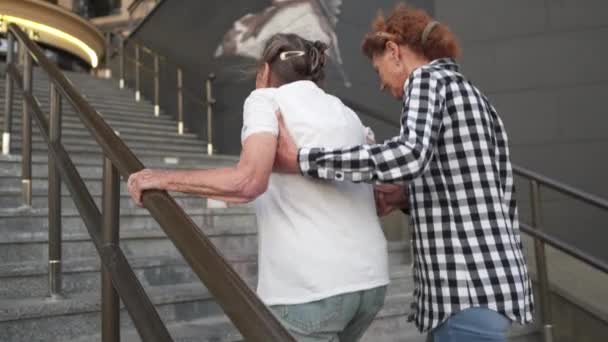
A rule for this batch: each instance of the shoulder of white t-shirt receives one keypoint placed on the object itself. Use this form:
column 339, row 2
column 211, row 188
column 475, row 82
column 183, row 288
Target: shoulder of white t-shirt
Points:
column 263, row 92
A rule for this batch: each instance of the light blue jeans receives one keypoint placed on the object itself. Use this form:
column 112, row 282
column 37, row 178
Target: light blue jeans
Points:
column 472, row 325
column 341, row 318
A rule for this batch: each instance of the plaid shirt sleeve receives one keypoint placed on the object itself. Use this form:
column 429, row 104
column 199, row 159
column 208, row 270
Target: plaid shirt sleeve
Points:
column 399, row 159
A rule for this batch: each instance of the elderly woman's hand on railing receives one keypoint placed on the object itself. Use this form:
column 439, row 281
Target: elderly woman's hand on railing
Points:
column 146, row 179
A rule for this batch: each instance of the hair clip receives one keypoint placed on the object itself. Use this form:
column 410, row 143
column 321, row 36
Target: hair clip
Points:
column 427, row 31
column 386, row 35
column 289, row 54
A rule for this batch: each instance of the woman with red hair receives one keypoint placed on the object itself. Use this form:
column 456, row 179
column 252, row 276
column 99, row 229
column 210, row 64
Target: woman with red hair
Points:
column 452, row 151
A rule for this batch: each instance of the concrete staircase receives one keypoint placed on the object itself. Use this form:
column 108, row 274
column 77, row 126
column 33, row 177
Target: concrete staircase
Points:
column 27, row 314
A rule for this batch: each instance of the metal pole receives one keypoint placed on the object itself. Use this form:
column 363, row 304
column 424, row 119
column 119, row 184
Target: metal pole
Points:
column 156, row 85
column 210, row 104
column 121, row 51
column 8, row 104
column 26, row 133
column 541, row 264
column 20, row 54
column 108, row 49
column 180, row 103
column 110, row 304
column 55, row 279
column 137, row 67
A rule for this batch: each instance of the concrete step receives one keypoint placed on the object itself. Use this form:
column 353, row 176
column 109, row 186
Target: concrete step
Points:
column 31, row 225
column 183, row 303
column 122, row 124
column 212, row 329
column 110, row 113
column 10, row 172
column 136, row 130
column 91, row 92
column 41, row 319
column 27, row 280
column 90, row 145
column 169, row 157
column 13, row 199
column 99, row 101
column 30, row 279
column 83, row 275
column 127, row 133
column 11, row 164
column 387, row 327
column 142, row 243
column 110, row 99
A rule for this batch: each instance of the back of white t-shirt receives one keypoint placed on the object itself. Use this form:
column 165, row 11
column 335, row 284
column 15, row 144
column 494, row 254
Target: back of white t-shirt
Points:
column 317, row 238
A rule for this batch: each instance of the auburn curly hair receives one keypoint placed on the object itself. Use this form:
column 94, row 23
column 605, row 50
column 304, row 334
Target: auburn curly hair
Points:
column 405, row 26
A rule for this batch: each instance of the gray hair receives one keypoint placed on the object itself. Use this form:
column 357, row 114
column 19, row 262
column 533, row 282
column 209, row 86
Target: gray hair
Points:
column 292, row 58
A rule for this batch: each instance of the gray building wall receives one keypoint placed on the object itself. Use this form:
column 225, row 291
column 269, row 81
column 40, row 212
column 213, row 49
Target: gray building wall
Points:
column 543, row 65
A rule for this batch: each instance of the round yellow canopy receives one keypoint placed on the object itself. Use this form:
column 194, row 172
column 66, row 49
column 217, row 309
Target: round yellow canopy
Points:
column 54, row 26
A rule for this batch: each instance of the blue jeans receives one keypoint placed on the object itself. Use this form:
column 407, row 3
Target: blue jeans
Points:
column 342, row 318
column 472, row 325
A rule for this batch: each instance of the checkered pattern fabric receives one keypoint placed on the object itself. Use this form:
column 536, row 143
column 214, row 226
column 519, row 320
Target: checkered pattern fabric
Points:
column 452, row 152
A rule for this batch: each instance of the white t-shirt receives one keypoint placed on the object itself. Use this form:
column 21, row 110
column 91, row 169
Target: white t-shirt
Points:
column 317, row 238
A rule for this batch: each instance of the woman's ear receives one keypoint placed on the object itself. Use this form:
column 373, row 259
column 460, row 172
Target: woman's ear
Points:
column 262, row 79
column 266, row 75
column 393, row 49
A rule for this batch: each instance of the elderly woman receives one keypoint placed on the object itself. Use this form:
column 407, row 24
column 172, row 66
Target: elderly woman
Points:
column 323, row 259
column 452, row 151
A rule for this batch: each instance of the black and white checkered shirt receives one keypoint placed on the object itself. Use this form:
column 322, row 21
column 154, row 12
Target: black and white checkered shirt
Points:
column 453, row 153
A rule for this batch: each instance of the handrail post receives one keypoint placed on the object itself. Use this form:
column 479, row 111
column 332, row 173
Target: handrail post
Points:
column 55, row 260
column 156, row 85
column 20, row 54
column 121, row 52
column 110, row 305
column 541, row 264
column 210, row 104
column 108, row 49
column 180, row 102
column 8, row 104
column 26, row 132
column 137, row 73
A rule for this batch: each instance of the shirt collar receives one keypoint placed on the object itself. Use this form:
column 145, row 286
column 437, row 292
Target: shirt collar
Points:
column 444, row 63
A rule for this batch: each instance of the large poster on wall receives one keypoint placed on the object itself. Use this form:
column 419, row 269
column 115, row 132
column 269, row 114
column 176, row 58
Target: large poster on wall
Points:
column 310, row 19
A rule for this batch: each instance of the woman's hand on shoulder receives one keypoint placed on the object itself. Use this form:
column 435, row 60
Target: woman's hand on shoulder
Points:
column 286, row 159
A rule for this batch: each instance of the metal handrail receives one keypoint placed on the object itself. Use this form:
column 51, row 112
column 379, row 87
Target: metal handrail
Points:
column 557, row 243
column 139, row 306
column 132, row 9
column 251, row 317
column 133, row 6
column 190, row 94
column 561, row 187
column 182, row 92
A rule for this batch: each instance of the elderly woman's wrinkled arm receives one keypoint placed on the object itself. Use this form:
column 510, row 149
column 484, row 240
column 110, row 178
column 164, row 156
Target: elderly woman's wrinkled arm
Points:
column 239, row 184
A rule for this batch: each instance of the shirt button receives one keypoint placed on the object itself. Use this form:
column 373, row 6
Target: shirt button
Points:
column 339, row 175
